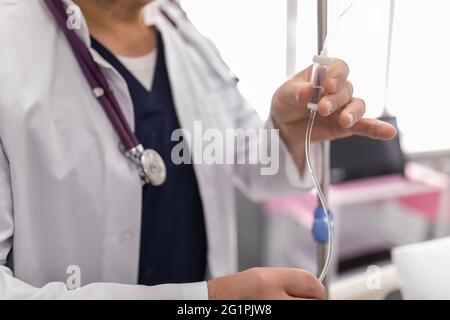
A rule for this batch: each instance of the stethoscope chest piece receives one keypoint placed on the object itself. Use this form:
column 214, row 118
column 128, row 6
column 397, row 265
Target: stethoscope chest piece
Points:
column 153, row 168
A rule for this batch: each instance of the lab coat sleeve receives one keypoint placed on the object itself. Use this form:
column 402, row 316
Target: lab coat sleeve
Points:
column 261, row 181
column 14, row 288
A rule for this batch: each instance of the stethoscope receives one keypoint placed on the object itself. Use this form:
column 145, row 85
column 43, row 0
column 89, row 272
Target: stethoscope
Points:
column 150, row 164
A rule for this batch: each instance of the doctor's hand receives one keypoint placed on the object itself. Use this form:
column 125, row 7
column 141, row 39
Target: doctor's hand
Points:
column 339, row 113
column 266, row 284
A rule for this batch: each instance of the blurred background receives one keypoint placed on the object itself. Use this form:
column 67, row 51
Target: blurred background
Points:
column 383, row 195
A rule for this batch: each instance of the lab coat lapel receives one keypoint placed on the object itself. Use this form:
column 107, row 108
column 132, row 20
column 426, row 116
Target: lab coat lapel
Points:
column 186, row 90
column 191, row 89
column 112, row 75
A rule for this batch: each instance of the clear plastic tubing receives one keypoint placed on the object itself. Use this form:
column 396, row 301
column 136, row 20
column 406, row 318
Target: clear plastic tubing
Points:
column 319, row 71
column 318, row 75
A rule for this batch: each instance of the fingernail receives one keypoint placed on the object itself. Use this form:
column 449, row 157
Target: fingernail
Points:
column 334, row 84
column 351, row 118
column 329, row 107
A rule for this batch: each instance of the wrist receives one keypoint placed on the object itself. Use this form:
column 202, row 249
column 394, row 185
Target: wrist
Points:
column 295, row 145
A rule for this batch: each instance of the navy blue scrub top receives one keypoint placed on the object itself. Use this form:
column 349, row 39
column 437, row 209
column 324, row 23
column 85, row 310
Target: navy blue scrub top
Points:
column 173, row 237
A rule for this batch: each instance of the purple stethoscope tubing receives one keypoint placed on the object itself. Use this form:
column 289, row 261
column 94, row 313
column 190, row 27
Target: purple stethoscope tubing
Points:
column 95, row 78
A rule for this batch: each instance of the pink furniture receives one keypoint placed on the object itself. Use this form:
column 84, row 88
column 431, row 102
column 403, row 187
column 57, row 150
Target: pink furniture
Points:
column 368, row 213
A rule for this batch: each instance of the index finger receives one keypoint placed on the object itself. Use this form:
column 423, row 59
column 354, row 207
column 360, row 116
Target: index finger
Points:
column 337, row 75
column 374, row 129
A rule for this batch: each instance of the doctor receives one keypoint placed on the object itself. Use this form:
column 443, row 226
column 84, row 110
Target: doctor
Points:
column 75, row 220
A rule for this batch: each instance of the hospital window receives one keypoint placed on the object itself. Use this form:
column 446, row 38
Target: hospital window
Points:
column 255, row 38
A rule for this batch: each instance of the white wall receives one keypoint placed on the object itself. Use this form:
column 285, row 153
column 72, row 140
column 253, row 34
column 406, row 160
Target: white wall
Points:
column 251, row 35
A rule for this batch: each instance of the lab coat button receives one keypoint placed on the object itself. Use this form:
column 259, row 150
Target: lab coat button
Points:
column 126, row 236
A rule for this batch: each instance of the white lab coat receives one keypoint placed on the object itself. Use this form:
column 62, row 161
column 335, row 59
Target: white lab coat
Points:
column 68, row 196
